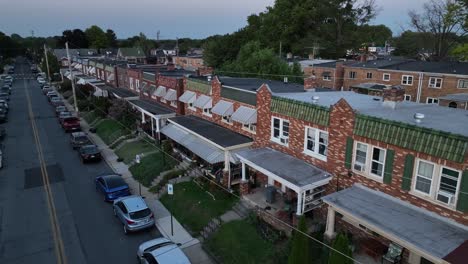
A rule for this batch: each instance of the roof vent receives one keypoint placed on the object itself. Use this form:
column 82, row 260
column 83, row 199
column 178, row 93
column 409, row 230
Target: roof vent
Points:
column 315, row 99
column 418, row 117
column 376, row 99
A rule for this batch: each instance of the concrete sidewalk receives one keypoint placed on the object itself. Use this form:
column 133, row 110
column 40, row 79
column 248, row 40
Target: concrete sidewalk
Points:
column 191, row 246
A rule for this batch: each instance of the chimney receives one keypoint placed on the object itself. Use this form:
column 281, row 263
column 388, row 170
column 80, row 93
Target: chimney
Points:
column 310, row 83
column 363, row 58
column 289, row 55
column 392, row 95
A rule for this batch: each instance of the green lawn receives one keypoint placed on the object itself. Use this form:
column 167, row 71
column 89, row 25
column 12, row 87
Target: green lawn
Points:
column 90, row 117
column 194, row 207
column 150, row 167
column 128, row 151
column 109, row 130
column 238, row 242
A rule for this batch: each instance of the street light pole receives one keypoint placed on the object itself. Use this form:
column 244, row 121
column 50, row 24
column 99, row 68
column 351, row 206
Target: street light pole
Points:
column 72, row 78
column 47, row 63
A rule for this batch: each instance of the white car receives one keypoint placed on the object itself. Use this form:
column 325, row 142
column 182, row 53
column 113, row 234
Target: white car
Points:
column 161, row 251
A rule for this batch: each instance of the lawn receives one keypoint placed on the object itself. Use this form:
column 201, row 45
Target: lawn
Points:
column 109, row 130
column 150, row 167
column 90, row 117
column 128, row 151
column 238, row 242
column 194, row 207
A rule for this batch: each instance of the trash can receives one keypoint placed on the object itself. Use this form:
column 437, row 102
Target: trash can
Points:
column 270, row 192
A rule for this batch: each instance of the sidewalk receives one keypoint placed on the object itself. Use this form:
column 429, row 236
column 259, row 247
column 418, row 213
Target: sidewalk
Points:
column 191, row 246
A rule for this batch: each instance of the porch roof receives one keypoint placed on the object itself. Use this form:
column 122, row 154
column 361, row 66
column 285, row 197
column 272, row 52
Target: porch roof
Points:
column 223, row 108
column 151, row 107
column 122, row 92
column 405, row 223
column 296, row 172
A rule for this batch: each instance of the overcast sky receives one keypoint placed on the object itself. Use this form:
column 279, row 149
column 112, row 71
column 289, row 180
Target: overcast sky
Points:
column 174, row 18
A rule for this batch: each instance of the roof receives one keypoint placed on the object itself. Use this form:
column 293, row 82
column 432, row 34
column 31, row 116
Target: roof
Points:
column 131, row 52
column 427, row 231
column 252, row 84
column 436, row 117
column 121, row 92
column 217, row 134
column 460, row 97
column 459, row 255
column 178, row 73
column 62, row 53
column 447, row 67
column 151, row 106
column 370, row 86
column 134, row 203
column 379, row 63
column 287, row 167
column 332, row 64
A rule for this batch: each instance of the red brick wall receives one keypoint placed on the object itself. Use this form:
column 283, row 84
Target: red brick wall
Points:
column 122, row 78
column 185, row 62
column 169, row 83
column 460, row 105
column 135, row 74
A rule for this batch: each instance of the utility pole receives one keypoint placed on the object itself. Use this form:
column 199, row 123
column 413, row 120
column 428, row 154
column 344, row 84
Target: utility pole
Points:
column 72, row 78
column 47, row 63
column 157, row 36
column 177, row 47
column 281, row 49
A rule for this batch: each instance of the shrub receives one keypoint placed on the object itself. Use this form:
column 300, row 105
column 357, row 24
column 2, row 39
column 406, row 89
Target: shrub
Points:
column 341, row 244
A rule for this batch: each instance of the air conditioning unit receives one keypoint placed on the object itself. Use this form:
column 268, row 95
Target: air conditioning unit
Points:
column 358, row 167
column 445, row 197
column 284, row 140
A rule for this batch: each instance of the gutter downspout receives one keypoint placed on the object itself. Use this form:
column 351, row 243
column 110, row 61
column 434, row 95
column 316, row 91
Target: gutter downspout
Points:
column 419, row 90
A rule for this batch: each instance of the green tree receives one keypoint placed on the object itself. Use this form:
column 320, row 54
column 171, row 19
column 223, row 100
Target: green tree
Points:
column 340, row 244
column 145, row 43
column 111, row 38
column 54, row 66
column 97, row 37
column 300, row 250
column 411, row 44
column 461, row 52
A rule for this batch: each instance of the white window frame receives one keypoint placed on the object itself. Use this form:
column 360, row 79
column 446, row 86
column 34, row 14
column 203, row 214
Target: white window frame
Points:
column 282, row 133
column 407, row 97
column 405, row 80
column 352, row 75
column 326, row 77
column 252, row 128
column 433, row 99
column 131, row 82
column 137, row 84
column 369, row 74
column 174, row 104
column 190, row 105
column 386, row 75
column 207, row 112
column 433, row 83
column 367, row 172
column 226, row 119
column 465, row 84
column 315, row 152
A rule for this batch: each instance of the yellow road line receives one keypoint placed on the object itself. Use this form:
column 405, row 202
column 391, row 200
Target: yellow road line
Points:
column 58, row 241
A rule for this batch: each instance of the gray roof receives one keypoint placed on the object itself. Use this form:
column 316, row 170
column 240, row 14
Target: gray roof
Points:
column 252, row 84
column 429, row 232
column 122, row 92
column 177, row 73
column 436, row 117
column 332, row 64
column 217, row 134
column 460, row 97
column 370, row 86
column 152, row 107
column 432, row 67
column 289, row 168
column 379, row 63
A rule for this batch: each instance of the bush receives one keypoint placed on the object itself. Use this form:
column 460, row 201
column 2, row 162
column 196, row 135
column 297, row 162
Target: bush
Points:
column 341, row 244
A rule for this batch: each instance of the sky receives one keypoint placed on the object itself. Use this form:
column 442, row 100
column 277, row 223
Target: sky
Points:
column 173, row 18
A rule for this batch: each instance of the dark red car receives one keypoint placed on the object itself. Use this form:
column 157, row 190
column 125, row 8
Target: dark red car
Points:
column 71, row 123
column 89, row 153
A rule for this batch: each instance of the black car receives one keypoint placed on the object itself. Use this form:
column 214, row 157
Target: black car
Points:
column 89, row 153
column 11, row 71
column 2, row 133
column 5, row 89
column 4, row 96
column 3, row 115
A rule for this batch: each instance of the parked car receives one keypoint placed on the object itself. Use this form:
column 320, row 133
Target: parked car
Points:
column 59, row 109
column 41, row 80
column 9, row 78
column 4, row 96
column 55, row 101
column 4, row 104
column 79, row 139
column 45, row 86
column 112, row 186
column 63, row 115
column 6, row 89
column 46, row 90
column 133, row 212
column 2, row 133
column 71, row 124
column 11, row 71
column 3, row 115
column 89, row 153
column 161, row 251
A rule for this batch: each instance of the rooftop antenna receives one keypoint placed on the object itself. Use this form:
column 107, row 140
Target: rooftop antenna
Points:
column 157, row 35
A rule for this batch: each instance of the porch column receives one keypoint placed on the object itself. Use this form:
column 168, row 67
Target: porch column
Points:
column 158, row 128
column 243, row 172
column 143, row 117
column 152, row 127
column 330, row 229
column 300, row 200
column 227, row 170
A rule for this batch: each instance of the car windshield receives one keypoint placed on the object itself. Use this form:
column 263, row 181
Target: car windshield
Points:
column 81, row 138
column 115, row 181
column 89, row 149
column 60, row 108
column 65, row 114
column 71, row 119
column 140, row 214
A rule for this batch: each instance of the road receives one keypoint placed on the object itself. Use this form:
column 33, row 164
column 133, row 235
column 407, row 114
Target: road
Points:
column 89, row 231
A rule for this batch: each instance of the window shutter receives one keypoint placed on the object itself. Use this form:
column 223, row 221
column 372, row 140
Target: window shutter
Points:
column 349, row 152
column 462, row 202
column 388, row 166
column 407, row 172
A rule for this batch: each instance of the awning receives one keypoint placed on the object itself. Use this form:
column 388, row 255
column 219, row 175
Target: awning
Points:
column 188, row 97
column 245, row 115
column 160, row 92
column 223, row 108
column 78, row 66
column 327, row 73
column 203, row 102
column 110, row 77
column 73, row 64
column 412, row 227
column 81, row 81
column 171, row 95
column 93, row 70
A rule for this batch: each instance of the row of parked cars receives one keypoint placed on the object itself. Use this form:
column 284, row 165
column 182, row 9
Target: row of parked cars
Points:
column 5, row 92
column 130, row 210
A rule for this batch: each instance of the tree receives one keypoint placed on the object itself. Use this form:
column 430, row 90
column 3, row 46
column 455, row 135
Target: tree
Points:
column 77, row 38
column 111, row 38
column 300, row 245
column 376, row 34
column 413, row 44
column 340, row 244
column 97, row 37
column 145, row 43
column 445, row 20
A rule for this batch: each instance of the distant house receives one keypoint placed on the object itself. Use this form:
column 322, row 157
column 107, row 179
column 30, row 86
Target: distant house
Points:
column 61, row 54
column 132, row 55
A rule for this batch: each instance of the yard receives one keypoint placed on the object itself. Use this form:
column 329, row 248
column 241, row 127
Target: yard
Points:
column 128, row 151
column 194, row 207
column 150, row 167
column 90, row 116
column 109, row 130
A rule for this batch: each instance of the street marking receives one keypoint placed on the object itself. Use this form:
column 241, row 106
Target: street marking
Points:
column 58, row 242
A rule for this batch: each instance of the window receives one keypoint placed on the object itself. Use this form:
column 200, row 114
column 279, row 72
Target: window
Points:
column 174, row 104
column 280, row 131
column 137, row 85
column 462, row 84
column 316, row 142
column 227, row 119
column 352, row 75
column 448, row 186
column 407, row 97
column 360, row 157
column 250, row 127
column 431, row 100
column 424, row 175
column 327, row 78
column 386, row 77
column 369, row 75
column 378, row 161
column 131, row 83
column 407, row 80
column 191, row 107
column 207, row 111
column 435, row 82
column 370, row 160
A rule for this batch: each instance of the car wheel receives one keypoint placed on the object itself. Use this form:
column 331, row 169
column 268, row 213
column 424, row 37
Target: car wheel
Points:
column 125, row 229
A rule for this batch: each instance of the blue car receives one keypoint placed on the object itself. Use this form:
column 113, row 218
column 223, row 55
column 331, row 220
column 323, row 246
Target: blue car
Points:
column 112, row 186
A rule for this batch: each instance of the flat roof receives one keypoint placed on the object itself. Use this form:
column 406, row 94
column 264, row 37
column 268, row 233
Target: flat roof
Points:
column 217, row 134
column 379, row 63
column 287, row 167
column 427, row 231
column 151, row 106
column 436, row 117
column 370, row 86
column 253, row 84
column 449, row 67
column 121, row 92
column 460, row 97
column 176, row 73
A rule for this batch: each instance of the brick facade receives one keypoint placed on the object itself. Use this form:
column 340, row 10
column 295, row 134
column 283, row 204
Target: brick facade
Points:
column 188, row 62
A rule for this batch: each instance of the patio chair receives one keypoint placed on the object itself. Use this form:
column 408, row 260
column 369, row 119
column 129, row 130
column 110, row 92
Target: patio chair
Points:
column 393, row 254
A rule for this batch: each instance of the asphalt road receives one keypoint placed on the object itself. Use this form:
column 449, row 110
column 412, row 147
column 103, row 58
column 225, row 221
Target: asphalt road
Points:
column 89, row 231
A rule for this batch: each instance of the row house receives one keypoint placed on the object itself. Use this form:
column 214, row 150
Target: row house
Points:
column 132, row 55
column 189, row 62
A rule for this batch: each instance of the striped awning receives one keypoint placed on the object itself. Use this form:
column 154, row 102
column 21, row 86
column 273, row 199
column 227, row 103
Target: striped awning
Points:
column 77, row 66
column 245, row 115
column 203, row 102
column 171, row 95
column 110, row 77
column 223, row 108
column 188, row 97
column 160, row 92
column 73, row 64
column 93, row 70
